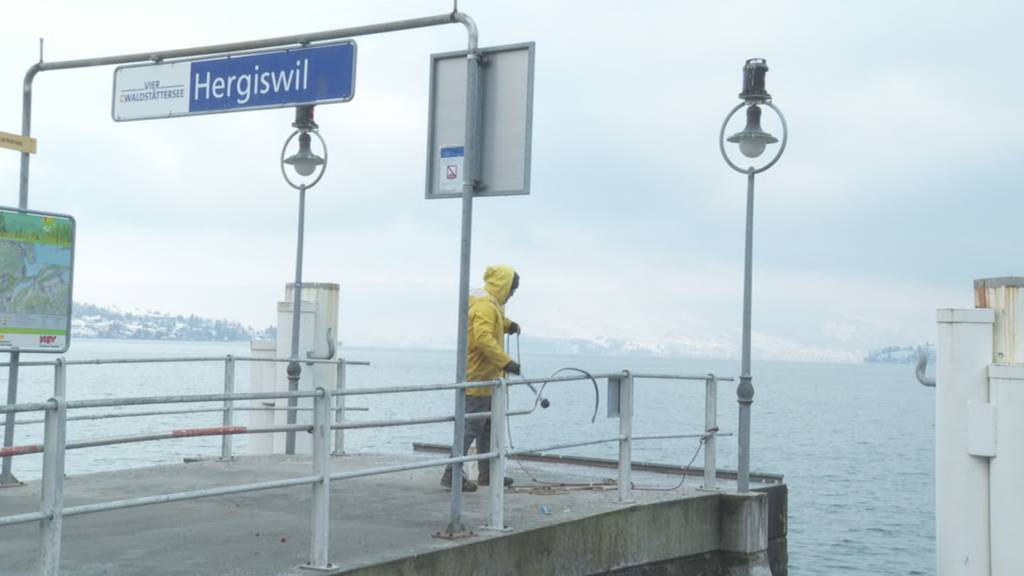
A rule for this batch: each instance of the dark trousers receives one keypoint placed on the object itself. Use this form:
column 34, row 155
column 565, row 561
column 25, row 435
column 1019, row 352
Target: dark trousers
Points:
column 479, row 430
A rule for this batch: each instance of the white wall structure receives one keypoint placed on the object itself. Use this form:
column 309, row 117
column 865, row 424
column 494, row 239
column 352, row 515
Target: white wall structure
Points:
column 318, row 328
column 961, row 480
column 979, row 434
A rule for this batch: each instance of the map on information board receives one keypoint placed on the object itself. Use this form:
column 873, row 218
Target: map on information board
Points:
column 36, row 263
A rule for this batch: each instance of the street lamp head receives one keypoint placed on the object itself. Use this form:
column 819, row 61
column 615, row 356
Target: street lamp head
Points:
column 304, row 161
column 752, row 139
column 754, row 72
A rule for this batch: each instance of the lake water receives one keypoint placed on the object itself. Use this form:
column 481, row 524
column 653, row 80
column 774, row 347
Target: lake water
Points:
column 855, row 442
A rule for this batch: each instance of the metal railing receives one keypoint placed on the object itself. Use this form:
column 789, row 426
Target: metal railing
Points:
column 52, row 510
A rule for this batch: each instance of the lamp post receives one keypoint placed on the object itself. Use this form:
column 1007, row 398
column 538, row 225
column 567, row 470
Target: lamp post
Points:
column 752, row 142
column 305, row 164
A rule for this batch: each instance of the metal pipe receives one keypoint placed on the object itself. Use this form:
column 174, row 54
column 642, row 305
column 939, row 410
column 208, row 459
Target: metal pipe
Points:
column 711, row 429
column 339, row 409
column 668, row 436
column 745, row 390
column 188, row 495
column 294, row 368
column 228, row 419
column 6, row 470
column 321, row 499
column 180, row 399
column 625, row 441
column 701, row 378
column 563, row 446
column 22, row 518
column 499, row 401
column 155, row 360
column 470, row 175
column 412, row 466
column 173, row 412
column 52, row 489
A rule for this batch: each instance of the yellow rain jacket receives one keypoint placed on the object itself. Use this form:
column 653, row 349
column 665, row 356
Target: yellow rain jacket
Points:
column 485, row 354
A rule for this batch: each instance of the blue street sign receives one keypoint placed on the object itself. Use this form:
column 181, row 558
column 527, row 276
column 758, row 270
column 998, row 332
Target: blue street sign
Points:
column 280, row 78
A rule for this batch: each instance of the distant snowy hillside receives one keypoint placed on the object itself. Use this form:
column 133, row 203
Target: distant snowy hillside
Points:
column 89, row 321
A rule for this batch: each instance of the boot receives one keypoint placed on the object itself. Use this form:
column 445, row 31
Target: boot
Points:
column 484, row 479
column 446, row 481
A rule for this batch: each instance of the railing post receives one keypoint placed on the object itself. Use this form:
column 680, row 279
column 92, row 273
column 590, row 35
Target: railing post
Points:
column 339, row 408
column 52, row 485
column 710, row 429
column 625, row 438
column 321, row 513
column 229, row 406
column 499, row 407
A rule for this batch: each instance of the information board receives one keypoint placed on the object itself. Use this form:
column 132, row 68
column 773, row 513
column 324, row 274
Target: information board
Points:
column 37, row 255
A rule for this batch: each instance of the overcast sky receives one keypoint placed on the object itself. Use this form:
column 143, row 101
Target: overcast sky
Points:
column 900, row 184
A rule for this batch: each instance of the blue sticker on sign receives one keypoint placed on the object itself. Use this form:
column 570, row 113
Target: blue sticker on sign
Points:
column 453, row 151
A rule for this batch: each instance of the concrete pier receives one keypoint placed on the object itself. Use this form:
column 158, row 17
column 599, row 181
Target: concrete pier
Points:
column 386, row 524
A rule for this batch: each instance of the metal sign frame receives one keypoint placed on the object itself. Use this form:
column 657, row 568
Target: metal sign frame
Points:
column 495, row 130
column 71, row 281
column 234, row 56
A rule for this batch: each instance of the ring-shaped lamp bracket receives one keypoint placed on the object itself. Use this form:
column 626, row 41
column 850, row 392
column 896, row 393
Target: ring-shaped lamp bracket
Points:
column 323, row 167
column 778, row 154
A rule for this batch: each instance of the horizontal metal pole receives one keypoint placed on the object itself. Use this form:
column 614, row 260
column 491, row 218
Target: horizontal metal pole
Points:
column 638, row 466
column 23, row 518
column 172, row 412
column 189, row 495
column 412, row 388
column 670, row 436
column 33, row 407
column 304, row 360
column 169, row 360
column 185, row 433
column 702, row 377
column 279, row 41
column 574, row 378
column 563, row 446
column 355, row 424
column 106, row 403
column 413, row 466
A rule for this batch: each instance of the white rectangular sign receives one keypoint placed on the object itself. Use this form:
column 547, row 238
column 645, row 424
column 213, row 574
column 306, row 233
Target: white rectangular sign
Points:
column 506, row 75
column 248, row 81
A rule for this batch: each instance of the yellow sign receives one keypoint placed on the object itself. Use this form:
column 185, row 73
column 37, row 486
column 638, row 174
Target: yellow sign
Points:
column 18, row 142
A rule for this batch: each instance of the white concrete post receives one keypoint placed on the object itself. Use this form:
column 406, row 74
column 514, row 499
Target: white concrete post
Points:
column 261, row 379
column 1006, row 469
column 961, row 480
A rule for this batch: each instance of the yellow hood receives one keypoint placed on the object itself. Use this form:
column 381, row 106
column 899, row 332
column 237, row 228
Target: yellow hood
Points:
column 498, row 282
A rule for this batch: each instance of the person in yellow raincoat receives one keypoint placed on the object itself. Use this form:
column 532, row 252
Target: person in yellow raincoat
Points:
column 486, row 360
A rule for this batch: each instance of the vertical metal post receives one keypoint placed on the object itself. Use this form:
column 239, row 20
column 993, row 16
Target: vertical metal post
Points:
column 339, row 407
column 710, row 429
column 229, row 407
column 321, row 513
column 499, row 407
column 6, row 472
column 52, row 486
column 745, row 391
column 625, row 438
column 471, row 171
column 294, row 368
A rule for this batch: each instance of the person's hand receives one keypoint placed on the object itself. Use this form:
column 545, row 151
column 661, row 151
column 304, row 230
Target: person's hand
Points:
column 512, row 367
column 513, row 328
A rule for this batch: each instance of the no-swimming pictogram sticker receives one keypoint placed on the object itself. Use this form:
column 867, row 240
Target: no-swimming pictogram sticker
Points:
column 453, row 172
